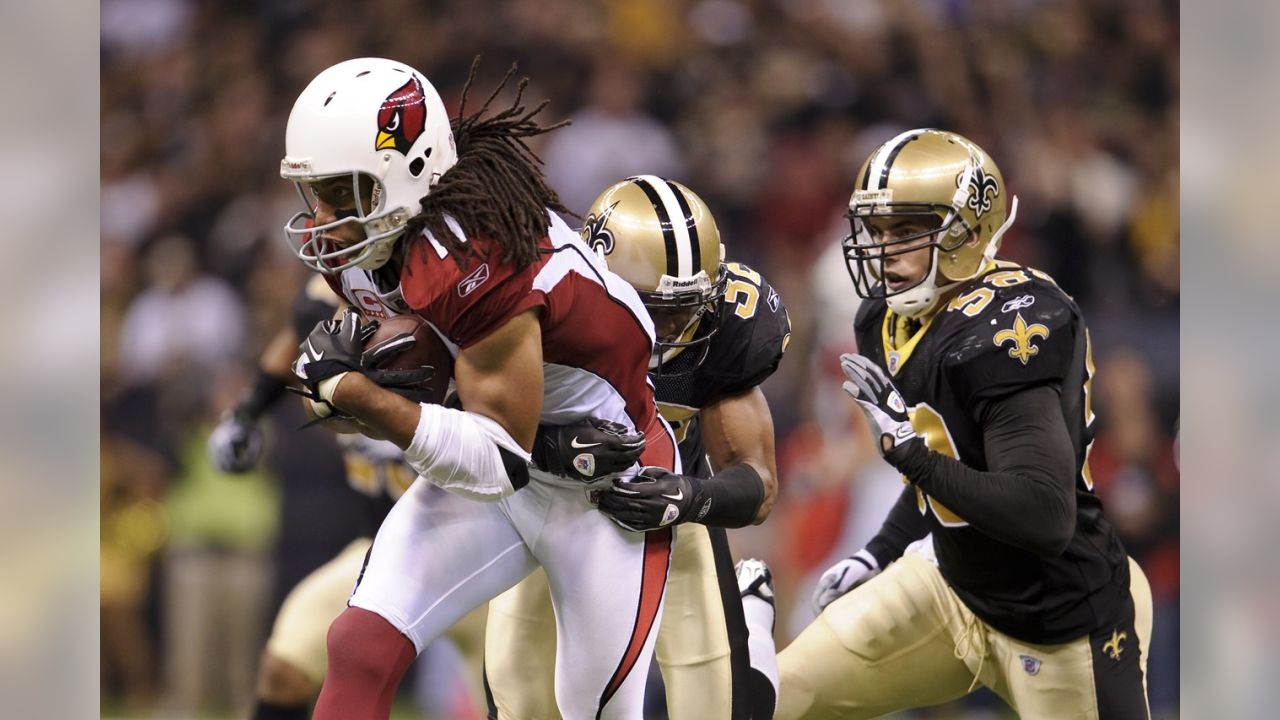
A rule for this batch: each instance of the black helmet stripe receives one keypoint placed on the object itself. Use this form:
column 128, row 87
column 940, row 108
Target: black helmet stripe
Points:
column 645, row 183
column 883, row 160
column 691, row 223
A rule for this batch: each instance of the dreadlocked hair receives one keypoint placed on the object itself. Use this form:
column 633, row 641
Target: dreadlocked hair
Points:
column 496, row 190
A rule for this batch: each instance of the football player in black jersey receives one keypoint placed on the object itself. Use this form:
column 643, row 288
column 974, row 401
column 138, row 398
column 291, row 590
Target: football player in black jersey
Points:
column 721, row 331
column 294, row 661
column 975, row 376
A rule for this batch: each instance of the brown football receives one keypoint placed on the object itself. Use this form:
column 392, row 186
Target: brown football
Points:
column 428, row 349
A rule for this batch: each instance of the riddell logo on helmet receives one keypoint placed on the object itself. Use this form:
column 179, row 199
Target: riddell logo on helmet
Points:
column 402, row 118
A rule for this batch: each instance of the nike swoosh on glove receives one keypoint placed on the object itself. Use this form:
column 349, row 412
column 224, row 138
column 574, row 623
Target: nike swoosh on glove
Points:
column 333, row 348
column 843, row 577
column 653, row 499
column 880, row 401
column 587, row 450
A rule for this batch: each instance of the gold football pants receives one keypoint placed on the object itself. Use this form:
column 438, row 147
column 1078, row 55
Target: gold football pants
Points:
column 905, row 640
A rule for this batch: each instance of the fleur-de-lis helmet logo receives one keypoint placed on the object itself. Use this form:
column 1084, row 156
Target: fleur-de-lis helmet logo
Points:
column 598, row 237
column 983, row 189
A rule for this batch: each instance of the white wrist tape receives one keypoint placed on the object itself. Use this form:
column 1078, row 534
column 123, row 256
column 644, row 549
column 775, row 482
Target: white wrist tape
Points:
column 329, row 386
column 458, row 451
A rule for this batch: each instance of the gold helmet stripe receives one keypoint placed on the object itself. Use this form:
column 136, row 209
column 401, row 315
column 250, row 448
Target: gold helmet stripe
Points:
column 674, row 232
column 883, row 160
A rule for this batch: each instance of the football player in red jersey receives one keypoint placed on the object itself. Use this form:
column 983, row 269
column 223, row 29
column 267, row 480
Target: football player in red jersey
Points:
column 975, row 376
column 294, row 661
column 407, row 212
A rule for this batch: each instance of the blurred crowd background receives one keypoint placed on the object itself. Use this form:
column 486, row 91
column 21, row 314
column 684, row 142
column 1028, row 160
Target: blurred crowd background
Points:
column 766, row 108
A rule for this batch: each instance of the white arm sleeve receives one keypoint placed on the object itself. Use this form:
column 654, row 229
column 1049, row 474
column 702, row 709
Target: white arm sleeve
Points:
column 458, row 451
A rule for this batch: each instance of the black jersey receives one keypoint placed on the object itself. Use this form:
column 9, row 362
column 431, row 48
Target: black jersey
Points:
column 751, row 336
column 1008, row 330
column 375, row 468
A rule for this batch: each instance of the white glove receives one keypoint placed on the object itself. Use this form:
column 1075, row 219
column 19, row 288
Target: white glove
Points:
column 843, row 577
column 235, row 445
column 879, row 400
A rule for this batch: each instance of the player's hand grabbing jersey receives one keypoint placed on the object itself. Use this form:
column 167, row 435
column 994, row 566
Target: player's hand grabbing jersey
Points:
column 752, row 335
column 1006, row 332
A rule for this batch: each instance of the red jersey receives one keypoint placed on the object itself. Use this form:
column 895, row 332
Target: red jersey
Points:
column 596, row 335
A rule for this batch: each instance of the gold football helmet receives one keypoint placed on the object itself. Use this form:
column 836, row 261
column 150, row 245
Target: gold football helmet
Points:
column 957, row 189
column 660, row 236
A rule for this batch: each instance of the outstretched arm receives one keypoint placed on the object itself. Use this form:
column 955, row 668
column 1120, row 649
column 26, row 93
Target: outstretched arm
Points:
column 738, row 434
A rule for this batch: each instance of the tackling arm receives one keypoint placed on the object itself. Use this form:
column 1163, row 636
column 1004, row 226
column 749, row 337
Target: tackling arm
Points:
column 738, row 431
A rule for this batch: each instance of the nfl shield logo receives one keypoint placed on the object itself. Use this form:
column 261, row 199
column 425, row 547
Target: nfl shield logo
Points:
column 1030, row 665
column 585, row 464
column 893, row 361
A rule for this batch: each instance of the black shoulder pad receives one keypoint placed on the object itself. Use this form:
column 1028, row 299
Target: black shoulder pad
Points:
column 1012, row 334
column 754, row 334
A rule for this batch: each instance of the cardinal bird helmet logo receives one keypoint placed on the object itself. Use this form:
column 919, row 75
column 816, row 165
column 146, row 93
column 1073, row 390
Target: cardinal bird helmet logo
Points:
column 402, row 118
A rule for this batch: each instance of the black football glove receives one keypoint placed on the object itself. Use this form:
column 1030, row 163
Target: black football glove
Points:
column 881, row 402
column 653, row 499
column 411, row 383
column 587, row 450
column 334, row 347
column 235, row 445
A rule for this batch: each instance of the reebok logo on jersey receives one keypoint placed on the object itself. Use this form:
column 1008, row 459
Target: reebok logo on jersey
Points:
column 478, row 277
column 1018, row 303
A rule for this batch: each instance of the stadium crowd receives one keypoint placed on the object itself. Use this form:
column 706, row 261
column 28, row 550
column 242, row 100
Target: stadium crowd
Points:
column 763, row 106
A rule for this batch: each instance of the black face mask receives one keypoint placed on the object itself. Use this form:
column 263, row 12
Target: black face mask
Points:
column 705, row 323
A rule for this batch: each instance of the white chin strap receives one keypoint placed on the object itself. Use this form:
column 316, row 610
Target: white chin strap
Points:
column 921, row 298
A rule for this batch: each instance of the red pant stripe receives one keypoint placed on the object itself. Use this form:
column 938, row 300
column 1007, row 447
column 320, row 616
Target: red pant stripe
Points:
column 653, row 582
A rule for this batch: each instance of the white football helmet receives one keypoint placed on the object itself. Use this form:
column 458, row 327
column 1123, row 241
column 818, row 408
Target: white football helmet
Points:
column 374, row 120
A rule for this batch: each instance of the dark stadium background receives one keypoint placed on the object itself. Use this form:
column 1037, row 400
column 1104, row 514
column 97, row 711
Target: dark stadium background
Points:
column 764, row 107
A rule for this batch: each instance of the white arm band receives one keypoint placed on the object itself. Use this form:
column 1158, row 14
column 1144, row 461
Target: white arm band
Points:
column 459, row 452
